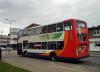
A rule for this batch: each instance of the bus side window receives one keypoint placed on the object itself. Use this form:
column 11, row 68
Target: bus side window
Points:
column 44, row 29
column 31, row 45
column 51, row 28
column 59, row 27
column 37, row 45
column 20, row 33
column 25, row 32
column 67, row 25
column 60, row 45
column 25, row 44
column 44, row 45
column 37, row 30
column 29, row 31
column 51, row 45
column 33, row 31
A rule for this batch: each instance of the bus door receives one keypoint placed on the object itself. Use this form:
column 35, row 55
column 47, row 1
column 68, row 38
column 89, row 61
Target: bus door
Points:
column 25, row 44
column 19, row 48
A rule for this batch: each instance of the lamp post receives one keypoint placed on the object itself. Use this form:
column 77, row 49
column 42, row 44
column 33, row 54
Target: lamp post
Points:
column 1, row 36
column 10, row 22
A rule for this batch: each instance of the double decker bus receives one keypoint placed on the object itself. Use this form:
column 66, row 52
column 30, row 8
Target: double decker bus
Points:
column 68, row 39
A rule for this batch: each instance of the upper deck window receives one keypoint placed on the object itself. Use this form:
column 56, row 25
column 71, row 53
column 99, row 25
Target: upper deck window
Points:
column 59, row 27
column 81, row 24
column 29, row 31
column 51, row 28
column 25, row 32
column 44, row 30
column 20, row 33
column 38, row 30
column 67, row 25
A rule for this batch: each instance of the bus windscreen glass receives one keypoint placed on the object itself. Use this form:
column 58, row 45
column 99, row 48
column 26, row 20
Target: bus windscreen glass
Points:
column 81, row 24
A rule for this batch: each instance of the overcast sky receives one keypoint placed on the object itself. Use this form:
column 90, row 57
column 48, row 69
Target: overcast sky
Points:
column 25, row 12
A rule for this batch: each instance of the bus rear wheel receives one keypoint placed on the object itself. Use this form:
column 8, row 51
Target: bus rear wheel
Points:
column 24, row 53
column 53, row 56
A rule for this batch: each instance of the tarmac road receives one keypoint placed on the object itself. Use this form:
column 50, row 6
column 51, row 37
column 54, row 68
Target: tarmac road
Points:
column 91, row 64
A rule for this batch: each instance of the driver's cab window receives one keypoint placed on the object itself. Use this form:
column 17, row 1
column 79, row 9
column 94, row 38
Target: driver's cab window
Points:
column 67, row 25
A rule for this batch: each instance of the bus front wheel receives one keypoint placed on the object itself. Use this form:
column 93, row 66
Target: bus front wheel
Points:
column 53, row 56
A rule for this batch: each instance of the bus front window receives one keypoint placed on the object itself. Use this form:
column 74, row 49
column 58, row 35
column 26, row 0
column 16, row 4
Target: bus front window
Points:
column 67, row 25
column 81, row 24
column 81, row 35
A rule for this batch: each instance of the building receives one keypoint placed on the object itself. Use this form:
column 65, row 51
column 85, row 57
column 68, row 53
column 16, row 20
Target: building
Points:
column 94, row 38
column 4, row 40
column 10, row 40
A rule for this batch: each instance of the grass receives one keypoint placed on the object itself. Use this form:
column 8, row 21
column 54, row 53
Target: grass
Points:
column 5, row 67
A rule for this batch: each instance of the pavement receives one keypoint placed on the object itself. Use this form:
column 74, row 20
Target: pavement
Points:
column 95, row 53
column 91, row 64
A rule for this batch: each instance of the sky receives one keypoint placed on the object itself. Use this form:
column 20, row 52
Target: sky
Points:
column 24, row 12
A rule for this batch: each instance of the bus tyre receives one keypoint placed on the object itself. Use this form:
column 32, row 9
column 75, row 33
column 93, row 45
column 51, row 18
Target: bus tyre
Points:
column 53, row 57
column 24, row 53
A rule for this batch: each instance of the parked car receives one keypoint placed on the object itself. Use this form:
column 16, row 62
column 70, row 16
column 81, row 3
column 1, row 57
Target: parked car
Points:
column 8, row 48
column 2, row 48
